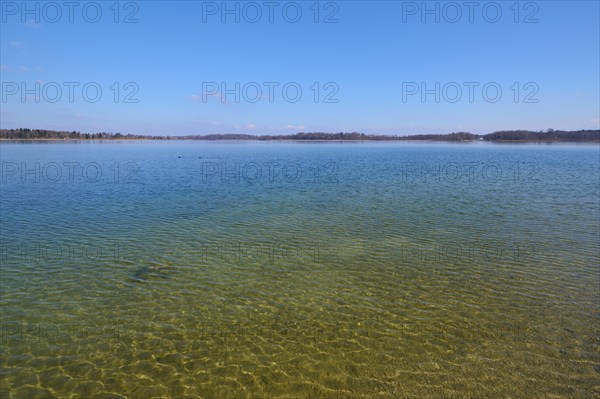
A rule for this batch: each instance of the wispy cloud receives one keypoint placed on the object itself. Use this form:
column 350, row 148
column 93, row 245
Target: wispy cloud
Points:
column 204, row 122
column 246, row 126
column 294, row 127
column 21, row 69
column 196, row 97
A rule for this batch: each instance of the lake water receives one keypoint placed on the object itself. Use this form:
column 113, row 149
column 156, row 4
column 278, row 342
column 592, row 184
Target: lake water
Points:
column 299, row 270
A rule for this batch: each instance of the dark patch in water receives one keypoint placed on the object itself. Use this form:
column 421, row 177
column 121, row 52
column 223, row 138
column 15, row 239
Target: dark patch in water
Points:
column 156, row 270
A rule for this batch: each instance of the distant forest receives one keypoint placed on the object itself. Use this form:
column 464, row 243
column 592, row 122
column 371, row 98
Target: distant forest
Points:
column 43, row 134
column 549, row 135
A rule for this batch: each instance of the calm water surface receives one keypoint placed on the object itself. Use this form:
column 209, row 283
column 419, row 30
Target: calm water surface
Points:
column 299, row 270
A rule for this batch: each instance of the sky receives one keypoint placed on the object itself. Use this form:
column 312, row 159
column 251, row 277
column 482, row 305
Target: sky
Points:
column 279, row 67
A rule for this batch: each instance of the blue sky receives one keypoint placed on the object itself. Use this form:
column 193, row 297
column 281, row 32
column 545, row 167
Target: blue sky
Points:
column 178, row 66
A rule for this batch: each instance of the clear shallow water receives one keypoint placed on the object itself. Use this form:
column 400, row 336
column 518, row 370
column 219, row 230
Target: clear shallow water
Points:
column 299, row 270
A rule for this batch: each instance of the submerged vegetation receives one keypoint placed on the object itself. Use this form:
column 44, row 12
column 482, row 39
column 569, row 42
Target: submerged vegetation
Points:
column 549, row 135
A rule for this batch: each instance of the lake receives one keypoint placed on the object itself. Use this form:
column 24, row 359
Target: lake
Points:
column 187, row 269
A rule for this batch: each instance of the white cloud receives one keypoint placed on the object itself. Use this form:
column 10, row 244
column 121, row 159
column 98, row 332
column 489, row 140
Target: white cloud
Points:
column 206, row 122
column 21, row 69
column 295, row 127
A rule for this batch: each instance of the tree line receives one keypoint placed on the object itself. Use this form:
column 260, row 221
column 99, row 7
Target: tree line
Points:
column 504, row 135
column 549, row 135
column 43, row 134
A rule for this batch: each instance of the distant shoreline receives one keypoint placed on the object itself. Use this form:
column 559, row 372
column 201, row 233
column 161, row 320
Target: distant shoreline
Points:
column 314, row 141
column 505, row 136
column 321, row 141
